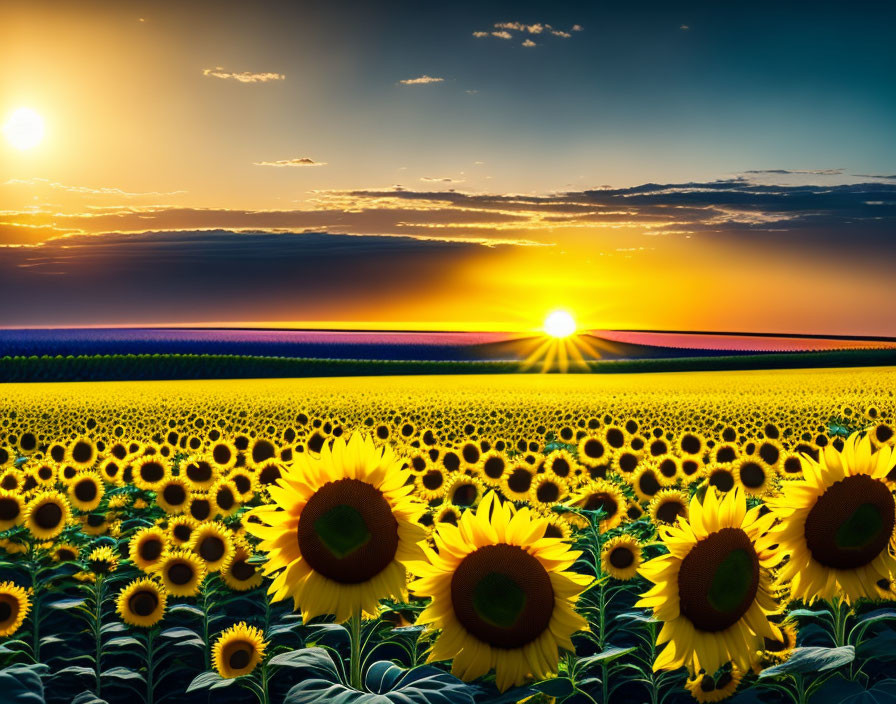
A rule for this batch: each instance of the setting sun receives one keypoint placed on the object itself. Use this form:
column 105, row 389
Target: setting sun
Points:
column 24, row 129
column 559, row 324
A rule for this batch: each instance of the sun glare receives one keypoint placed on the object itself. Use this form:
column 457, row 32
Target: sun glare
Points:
column 24, row 129
column 559, row 324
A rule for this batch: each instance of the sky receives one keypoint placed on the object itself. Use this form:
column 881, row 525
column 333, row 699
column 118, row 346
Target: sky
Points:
column 465, row 165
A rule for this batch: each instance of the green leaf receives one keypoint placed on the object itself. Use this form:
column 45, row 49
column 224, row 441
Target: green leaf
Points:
column 180, row 633
column 879, row 615
column 122, row 642
column 88, row 697
column 313, row 661
column 839, row 689
column 207, row 680
column 607, row 654
column 75, row 670
column 880, row 647
column 67, row 603
column 186, row 608
column 123, row 673
column 812, row 660
column 21, row 684
column 113, row 628
column 558, row 687
column 809, row 613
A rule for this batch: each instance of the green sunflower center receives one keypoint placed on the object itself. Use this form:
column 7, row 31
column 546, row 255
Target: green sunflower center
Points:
column 342, row 530
column 502, row 596
column 851, row 523
column 718, row 580
column 498, row 600
column 347, row 531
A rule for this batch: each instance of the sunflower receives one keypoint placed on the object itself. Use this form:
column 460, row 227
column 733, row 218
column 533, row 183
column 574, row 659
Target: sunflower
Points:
column 269, row 472
column 448, row 513
column 212, row 542
column 102, row 560
column 492, row 467
column 721, row 476
column 12, row 510
column 65, row 552
column 172, row 495
column 517, row 482
column 147, row 546
column 592, row 451
column 81, row 453
column 691, row 444
column 223, row 455
column 777, row 650
column 45, row 473
column 94, row 523
column 341, row 526
column 620, row 557
column 714, row 688
column 112, row 470
column 181, row 572
column 837, row 524
column 245, row 481
column 561, row 465
column 47, row 514
column 557, row 527
column 7, row 456
column 712, row 590
column 547, row 490
column 238, row 650
column 150, row 472
column 11, row 479
column 14, row 607
column 667, row 506
column 647, row 482
column 502, row 595
column 431, row 484
column 200, row 507
column 605, row 496
column 86, row 491
column 142, row 603
column 754, row 475
column 226, row 497
column 791, row 466
column 181, row 528
column 240, row 574
column 200, row 473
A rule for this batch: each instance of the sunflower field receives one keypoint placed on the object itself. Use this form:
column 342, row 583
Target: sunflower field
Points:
column 651, row 538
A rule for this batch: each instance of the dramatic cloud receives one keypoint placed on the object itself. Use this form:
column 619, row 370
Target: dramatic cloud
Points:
column 243, row 76
column 302, row 161
column 421, row 80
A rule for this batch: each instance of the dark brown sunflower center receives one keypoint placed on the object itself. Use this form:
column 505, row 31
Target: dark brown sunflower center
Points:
column 722, row 480
column 174, row 494
column 182, row 532
column 242, row 570
column 752, row 475
column 211, row 548
column 503, row 596
column 433, row 480
column 464, row 495
column 519, row 481
column 48, row 516
column 85, row 491
column 200, row 509
column 152, row 472
column 648, row 483
column 622, row 557
column 707, row 684
column 199, row 472
column 851, row 523
column 602, row 501
column 493, row 467
column 225, row 498
column 547, row 492
column 151, row 549
column 553, row 531
column 561, row 467
column 593, row 449
column 9, row 508
column 718, row 580
column 615, row 437
column 690, row 444
column 222, row 454
column 347, row 531
column 82, row 452
column 269, row 475
column 669, row 511
column 240, row 657
column 628, row 462
column 143, row 603
column 243, row 483
column 181, row 573
column 45, row 473
column 6, row 611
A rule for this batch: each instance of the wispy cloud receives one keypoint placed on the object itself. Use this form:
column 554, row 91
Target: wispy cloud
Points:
column 421, row 80
column 86, row 190
column 300, row 161
column 442, row 180
column 242, row 76
column 503, row 30
column 815, row 172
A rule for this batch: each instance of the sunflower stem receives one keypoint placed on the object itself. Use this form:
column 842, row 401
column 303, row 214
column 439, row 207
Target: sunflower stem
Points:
column 150, row 652
column 97, row 630
column 35, row 612
column 355, row 630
